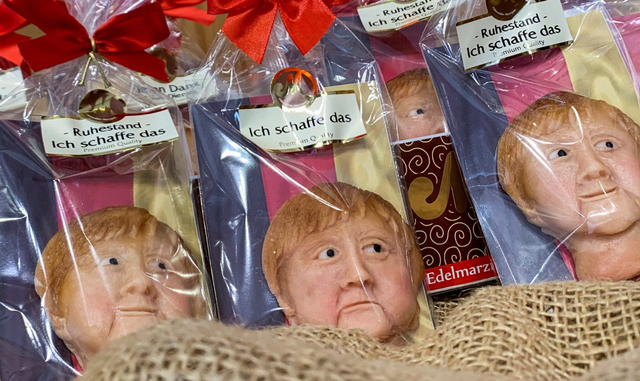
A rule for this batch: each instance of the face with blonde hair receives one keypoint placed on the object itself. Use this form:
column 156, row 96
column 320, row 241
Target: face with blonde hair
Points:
column 342, row 256
column 571, row 165
column 113, row 272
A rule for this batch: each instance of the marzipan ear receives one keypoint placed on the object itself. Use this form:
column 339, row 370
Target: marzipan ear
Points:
column 288, row 310
column 59, row 325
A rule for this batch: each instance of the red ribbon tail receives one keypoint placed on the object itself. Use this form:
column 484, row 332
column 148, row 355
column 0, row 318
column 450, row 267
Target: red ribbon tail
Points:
column 9, row 47
column 297, row 17
column 191, row 13
column 251, row 40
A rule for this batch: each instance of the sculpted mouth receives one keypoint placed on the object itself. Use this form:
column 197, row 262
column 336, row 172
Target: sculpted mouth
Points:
column 598, row 194
column 358, row 304
column 137, row 310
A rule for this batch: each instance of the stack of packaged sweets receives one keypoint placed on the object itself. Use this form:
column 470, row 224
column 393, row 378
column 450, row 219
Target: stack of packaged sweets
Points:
column 448, row 232
column 98, row 233
column 303, row 209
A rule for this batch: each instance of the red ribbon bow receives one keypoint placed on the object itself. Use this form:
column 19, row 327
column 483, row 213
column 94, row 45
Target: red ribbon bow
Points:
column 9, row 22
column 249, row 22
column 122, row 39
column 185, row 9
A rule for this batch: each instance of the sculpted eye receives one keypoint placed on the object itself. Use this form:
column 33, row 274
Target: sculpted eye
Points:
column 375, row 248
column 415, row 112
column 606, row 144
column 326, row 254
column 111, row 261
column 160, row 265
column 558, row 153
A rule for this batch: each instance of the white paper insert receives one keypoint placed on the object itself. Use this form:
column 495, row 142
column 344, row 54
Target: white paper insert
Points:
column 537, row 25
column 11, row 80
column 331, row 118
column 392, row 15
column 176, row 89
column 83, row 137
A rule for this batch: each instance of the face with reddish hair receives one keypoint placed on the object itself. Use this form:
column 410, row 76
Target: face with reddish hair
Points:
column 117, row 281
column 344, row 257
column 572, row 166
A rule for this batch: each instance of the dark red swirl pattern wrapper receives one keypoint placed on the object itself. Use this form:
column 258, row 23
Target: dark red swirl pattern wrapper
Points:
column 447, row 228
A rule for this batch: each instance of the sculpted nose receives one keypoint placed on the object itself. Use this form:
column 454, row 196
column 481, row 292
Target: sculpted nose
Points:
column 355, row 270
column 591, row 166
column 138, row 282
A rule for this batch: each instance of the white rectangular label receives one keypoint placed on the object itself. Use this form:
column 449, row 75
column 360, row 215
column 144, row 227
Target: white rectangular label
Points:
column 488, row 41
column 331, row 118
column 392, row 15
column 11, row 80
column 82, row 137
column 176, row 89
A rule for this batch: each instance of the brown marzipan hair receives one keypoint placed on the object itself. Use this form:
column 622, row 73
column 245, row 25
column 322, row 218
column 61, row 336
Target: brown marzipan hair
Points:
column 409, row 82
column 541, row 118
column 322, row 207
column 72, row 246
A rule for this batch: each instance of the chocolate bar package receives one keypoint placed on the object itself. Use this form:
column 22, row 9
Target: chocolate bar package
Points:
column 448, row 232
column 542, row 106
column 97, row 232
column 304, row 211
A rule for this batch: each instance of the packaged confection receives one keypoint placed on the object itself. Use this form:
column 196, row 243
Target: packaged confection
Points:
column 97, row 232
column 303, row 208
column 543, row 110
column 448, row 232
column 182, row 56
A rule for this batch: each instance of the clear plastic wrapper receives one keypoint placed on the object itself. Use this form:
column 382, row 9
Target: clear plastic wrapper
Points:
column 299, row 230
column 547, row 140
column 447, row 229
column 97, row 232
column 182, row 56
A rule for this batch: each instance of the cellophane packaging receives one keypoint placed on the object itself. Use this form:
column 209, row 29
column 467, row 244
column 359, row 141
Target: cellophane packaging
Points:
column 182, row 55
column 451, row 241
column 304, row 214
column 543, row 111
column 97, row 233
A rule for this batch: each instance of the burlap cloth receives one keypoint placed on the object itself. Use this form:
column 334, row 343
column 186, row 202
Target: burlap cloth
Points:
column 555, row 331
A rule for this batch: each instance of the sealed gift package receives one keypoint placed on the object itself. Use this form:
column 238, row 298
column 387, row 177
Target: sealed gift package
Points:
column 182, row 56
column 304, row 214
column 97, row 232
column 543, row 112
column 447, row 229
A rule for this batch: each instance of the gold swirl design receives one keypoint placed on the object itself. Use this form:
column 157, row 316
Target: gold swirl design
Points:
column 477, row 230
column 422, row 188
column 440, row 156
column 438, row 236
column 475, row 253
column 419, row 160
column 462, row 234
column 431, row 257
column 421, row 237
column 453, row 258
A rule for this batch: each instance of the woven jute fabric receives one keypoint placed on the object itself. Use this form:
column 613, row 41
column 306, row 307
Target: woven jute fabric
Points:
column 554, row 331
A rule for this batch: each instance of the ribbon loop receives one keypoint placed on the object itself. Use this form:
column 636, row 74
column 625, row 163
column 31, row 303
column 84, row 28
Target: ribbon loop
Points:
column 306, row 22
column 122, row 39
